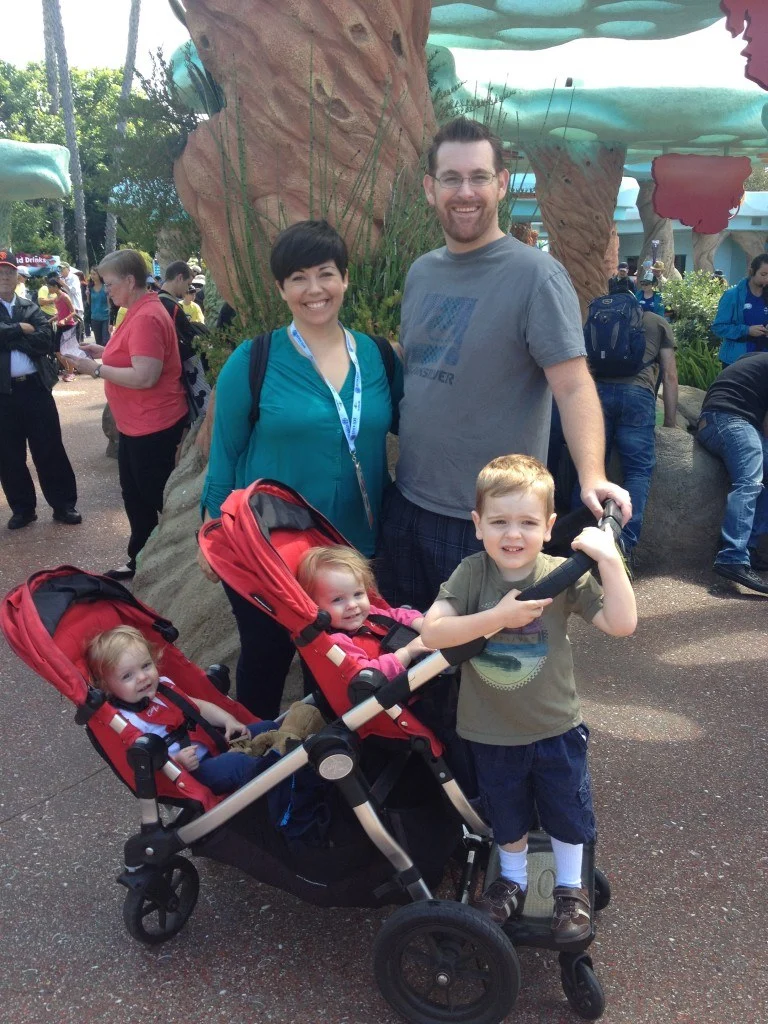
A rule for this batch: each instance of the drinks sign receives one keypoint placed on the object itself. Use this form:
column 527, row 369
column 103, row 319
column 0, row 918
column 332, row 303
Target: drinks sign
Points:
column 42, row 262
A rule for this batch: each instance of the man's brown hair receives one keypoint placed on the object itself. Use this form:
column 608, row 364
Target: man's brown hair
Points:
column 464, row 129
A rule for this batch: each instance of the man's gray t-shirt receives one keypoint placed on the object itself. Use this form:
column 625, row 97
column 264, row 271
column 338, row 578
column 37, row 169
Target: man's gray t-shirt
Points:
column 477, row 329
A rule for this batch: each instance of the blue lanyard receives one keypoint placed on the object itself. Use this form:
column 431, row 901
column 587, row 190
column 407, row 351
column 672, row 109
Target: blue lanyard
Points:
column 351, row 427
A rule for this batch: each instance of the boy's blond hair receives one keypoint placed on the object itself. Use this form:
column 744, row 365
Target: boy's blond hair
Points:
column 510, row 473
column 106, row 649
column 336, row 556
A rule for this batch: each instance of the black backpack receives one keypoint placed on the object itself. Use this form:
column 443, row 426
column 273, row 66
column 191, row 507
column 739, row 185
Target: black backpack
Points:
column 257, row 368
column 614, row 336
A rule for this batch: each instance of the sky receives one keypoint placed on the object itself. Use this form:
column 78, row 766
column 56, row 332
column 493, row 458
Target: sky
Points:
column 96, row 33
column 96, row 37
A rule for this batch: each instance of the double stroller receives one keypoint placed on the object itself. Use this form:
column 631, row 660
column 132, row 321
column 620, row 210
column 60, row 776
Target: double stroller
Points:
column 395, row 814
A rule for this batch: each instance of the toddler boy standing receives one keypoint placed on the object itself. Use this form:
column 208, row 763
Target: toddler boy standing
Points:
column 518, row 706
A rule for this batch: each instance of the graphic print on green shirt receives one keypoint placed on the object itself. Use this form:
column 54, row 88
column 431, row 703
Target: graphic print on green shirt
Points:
column 513, row 657
column 521, row 689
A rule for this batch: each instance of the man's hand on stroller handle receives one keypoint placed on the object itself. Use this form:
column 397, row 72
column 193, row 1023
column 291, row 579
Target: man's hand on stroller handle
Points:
column 596, row 494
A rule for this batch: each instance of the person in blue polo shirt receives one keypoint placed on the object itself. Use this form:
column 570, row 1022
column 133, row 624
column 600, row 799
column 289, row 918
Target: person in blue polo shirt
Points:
column 742, row 314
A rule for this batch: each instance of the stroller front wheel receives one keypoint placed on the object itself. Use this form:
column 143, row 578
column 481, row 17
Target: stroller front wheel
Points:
column 438, row 962
column 155, row 911
column 602, row 890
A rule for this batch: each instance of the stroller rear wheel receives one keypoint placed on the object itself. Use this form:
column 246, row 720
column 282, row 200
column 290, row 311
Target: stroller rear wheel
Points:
column 438, row 962
column 156, row 910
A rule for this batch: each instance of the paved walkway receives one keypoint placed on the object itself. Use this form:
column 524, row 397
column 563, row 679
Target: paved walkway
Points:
column 678, row 716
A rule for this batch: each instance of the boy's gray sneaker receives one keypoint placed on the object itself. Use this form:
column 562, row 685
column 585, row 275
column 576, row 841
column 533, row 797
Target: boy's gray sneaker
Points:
column 502, row 900
column 743, row 574
column 571, row 920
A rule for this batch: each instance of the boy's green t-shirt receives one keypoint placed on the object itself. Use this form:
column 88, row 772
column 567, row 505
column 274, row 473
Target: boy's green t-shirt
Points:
column 521, row 689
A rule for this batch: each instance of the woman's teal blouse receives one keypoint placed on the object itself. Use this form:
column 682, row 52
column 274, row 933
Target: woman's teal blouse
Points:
column 298, row 438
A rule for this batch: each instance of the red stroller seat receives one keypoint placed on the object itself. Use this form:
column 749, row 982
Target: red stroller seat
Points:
column 255, row 547
column 49, row 622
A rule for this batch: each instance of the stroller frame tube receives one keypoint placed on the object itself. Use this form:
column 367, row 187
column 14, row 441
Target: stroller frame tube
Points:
column 291, row 763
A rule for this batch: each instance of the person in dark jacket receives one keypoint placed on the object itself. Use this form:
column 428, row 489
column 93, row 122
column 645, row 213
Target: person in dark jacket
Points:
column 28, row 414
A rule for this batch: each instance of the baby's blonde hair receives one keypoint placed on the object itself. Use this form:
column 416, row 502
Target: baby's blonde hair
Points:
column 510, row 473
column 336, row 556
column 106, row 649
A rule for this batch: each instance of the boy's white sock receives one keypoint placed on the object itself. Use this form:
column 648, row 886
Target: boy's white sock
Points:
column 567, row 863
column 514, row 867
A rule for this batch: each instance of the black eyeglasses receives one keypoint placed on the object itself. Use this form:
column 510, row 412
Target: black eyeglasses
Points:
column 450, row 181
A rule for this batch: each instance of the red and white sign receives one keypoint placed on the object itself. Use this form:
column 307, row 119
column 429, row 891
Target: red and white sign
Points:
column 36, row 262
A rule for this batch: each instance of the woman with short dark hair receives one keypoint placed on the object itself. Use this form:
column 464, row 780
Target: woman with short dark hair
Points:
column 324, row 412
column 141, row 369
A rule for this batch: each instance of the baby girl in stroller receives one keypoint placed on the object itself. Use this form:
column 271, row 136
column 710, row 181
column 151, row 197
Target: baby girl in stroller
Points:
column 339, row 580
column 124, row 665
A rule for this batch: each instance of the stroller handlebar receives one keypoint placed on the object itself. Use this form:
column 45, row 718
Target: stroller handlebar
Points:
column 553, row 583
column 573, row 568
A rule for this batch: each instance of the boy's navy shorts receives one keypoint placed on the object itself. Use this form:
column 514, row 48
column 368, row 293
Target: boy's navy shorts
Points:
column 551, row 774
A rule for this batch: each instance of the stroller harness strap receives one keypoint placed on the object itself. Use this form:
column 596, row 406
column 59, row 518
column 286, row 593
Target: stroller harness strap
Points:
column 191, row 715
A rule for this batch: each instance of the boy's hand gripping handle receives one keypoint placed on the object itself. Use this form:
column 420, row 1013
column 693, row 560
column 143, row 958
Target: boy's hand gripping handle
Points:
column 564, row 575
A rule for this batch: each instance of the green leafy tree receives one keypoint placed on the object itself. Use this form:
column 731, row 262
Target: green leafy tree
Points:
column 757, row 181
column 25, row 115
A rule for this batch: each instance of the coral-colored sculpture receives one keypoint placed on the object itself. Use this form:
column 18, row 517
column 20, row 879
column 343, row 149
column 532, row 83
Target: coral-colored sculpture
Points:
column 699, row 191
column 361, row 62
column 750, row 19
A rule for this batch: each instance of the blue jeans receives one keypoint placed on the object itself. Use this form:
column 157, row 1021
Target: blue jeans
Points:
column 744, row 451
column 223, row 773
column 630, row 421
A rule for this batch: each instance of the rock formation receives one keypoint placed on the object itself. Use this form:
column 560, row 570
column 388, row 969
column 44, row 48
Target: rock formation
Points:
column 308, row 88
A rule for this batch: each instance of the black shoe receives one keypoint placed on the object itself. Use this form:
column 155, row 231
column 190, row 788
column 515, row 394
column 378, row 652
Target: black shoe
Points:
column 20, row 519
column 68, row 515
column 125, row 572
column 743, row 574
column 756, row 560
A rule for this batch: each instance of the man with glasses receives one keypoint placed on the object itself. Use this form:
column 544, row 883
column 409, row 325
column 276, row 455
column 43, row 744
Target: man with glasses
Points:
column 491, row 328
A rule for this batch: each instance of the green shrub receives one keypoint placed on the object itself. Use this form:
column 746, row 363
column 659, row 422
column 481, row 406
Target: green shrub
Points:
column 697, row 362
column 692, row 303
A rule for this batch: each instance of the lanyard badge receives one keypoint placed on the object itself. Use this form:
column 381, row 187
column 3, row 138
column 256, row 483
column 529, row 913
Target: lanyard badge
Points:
column 351, row 427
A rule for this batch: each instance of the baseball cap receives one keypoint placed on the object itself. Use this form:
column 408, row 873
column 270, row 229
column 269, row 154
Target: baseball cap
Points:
column 623, row 265
column 199, row 279
column 7, row 259
column 23, row 271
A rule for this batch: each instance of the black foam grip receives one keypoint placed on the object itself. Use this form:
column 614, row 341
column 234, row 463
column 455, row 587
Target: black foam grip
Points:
column 564, row 575
column 559, row 579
